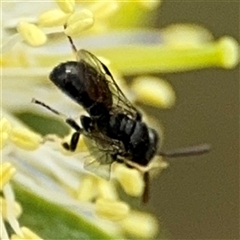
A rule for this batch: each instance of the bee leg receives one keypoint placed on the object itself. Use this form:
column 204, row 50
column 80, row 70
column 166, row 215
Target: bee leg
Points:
column 73, row 142
column 72, row 123
column 75, row 137
column 145, row 196
column 86, row 123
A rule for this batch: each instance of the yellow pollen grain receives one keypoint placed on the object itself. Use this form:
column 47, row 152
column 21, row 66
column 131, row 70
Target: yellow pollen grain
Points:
column 17, row 210
column 140, row 225
column 6, row 173
column 25, row 139
column 32, row 34
column 66, row 5
column 111, row 210
column 27, row 234
column 53, row 18
column 154, row 91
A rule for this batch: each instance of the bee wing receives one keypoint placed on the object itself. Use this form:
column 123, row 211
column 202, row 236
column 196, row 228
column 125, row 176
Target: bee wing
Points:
column 101, row 148
column 120, row 103
column 99, row 168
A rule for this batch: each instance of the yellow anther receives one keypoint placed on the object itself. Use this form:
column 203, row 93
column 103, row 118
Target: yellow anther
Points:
column 25, row 139
column 31, row 34
column 111, row 210
column 130, row 179
column 66, row 5
column 17, row 210
column 106, row 189
column 228, row 52
column 6, row 173
column 104, row 9
column 52, row 18
column 140, row 225
column 27, row 234
column 78, row 22
column 87, row 190
column 154, row 91
column 79, row 15
column 185, row 35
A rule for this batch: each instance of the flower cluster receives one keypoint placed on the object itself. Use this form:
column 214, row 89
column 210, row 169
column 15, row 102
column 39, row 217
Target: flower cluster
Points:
column 32, row 45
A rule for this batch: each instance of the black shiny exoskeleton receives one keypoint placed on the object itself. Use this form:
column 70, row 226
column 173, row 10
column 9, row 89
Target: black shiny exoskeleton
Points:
column 113, row 129
column 113, row 121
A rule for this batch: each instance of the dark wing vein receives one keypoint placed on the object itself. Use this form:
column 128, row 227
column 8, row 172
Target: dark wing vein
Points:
column 120, row 103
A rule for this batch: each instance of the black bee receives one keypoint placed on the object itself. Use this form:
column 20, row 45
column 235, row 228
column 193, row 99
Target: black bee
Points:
column 113, row 126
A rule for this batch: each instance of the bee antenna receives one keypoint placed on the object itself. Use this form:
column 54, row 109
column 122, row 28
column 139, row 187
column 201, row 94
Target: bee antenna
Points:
column 187, row 151
column 71, row 42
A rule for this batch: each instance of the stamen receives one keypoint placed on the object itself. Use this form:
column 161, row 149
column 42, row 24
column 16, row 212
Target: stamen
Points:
column 111, row 210
column 25, row 138
column 52, row 18
column 140, row 225
column 131, row 180
column 31, row 34
column 66, row 5
column 153, row 91
column 6, row 173
column 5, row 129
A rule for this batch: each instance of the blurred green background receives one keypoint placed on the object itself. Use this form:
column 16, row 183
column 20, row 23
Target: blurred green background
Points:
column 198, row 197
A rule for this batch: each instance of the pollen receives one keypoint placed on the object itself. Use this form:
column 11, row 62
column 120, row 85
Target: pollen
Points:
column 32, row 34
column 25, row 139
column 67, row 6
column 140, row 225
column 130, row 179
column 111, row 210
column 154, row 91
column 5, row 129
column 53, row 18
column 26, row 234
column 6, row 173
column 78, row 22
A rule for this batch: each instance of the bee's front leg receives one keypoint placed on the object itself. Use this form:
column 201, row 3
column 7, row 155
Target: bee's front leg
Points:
column 73, row 142
column 75, row 136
